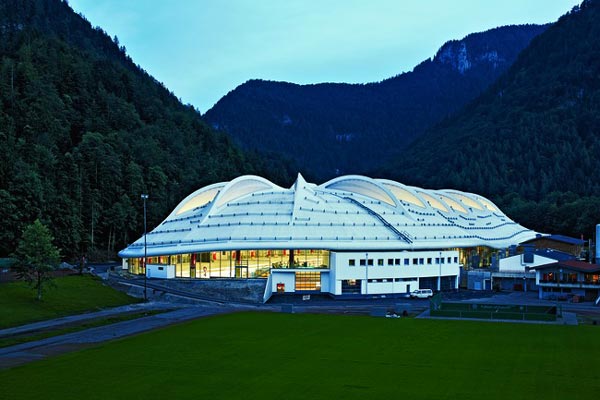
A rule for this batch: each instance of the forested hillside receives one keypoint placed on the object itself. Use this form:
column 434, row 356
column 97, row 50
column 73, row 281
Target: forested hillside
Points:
column 532, row 141
column 84, row 131
column 333, row 129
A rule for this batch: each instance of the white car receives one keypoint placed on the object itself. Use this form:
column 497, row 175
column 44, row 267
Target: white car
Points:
column 421, row 293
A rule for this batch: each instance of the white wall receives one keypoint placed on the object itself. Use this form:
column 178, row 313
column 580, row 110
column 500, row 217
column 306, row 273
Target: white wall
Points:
column 515, row 263
column 288, row 278
column 325, row 281
column 160, row 271
column 339, row 262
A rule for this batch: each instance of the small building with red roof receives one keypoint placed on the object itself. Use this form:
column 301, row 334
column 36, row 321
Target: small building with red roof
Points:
column 566, row 279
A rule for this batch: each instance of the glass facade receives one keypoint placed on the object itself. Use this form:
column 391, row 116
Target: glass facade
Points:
column 234, row 264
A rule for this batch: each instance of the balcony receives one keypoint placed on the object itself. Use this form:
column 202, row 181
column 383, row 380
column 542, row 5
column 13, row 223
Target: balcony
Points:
column 565, row 284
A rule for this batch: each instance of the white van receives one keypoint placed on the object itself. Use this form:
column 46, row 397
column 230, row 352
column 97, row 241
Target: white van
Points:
column 421, row 293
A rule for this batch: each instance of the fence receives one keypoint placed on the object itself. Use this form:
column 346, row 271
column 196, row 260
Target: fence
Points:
column 439, row 308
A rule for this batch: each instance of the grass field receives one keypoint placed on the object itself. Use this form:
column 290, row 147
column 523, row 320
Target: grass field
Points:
column 299, row 356
column 72, row 295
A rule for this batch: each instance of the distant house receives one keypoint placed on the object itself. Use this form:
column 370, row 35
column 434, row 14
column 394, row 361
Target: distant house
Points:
column 517, row 272
column 563, row 278
column 562, row 243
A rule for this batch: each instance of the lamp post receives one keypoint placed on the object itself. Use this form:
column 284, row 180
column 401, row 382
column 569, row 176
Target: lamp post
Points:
column 367, row 274
column 145, row 197
column 439, row 283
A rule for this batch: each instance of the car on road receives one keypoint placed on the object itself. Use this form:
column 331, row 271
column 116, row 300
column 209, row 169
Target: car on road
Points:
column 421, row 293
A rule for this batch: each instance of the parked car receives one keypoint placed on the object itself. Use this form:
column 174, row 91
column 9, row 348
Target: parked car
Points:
column 421, row 293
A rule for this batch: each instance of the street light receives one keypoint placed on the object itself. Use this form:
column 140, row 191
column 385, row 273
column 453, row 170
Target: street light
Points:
column 367, row 274
column 145, row 197
column 439, row 283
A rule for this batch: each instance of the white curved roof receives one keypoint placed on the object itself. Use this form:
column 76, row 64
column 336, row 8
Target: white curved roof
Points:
column 346, row 213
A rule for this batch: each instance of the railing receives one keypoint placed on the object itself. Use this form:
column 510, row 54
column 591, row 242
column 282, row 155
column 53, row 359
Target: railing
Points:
column 402, row 235
column 582, row 285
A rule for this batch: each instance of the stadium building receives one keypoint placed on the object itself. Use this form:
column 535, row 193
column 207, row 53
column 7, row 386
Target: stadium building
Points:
column 352, row 235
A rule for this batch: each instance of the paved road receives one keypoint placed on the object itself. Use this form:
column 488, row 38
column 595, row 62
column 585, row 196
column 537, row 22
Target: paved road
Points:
column 71, row 319
column 31, row 351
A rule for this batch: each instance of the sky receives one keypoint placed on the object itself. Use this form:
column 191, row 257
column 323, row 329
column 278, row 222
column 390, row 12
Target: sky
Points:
column 202, row 49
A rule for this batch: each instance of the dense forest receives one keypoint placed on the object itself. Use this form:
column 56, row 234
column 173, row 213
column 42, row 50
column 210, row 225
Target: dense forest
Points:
column 333, row 128
column 84, row 131
column 532, row 141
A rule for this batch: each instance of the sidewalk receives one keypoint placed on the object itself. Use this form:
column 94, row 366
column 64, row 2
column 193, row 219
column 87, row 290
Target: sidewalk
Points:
column 43, row 325
column 31, row 351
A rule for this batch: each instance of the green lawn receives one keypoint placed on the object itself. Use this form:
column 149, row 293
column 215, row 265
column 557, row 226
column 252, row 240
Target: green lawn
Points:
column 299, row 356
column 72, row 295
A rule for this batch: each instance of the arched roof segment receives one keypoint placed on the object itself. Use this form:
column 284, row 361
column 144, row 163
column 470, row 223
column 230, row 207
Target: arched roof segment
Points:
column 362, row 185
column 243, row 186
column 402, row 193
column 198, row 198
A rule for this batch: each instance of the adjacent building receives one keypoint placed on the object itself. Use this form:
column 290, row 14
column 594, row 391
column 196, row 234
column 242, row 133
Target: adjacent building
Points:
column 517, row 272
column 566, row 279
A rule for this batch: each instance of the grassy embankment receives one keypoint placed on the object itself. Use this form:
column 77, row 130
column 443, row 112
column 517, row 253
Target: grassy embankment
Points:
column 72, row 295
column 295, row 356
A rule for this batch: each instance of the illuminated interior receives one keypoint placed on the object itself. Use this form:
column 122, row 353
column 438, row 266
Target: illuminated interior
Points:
column 234, row 264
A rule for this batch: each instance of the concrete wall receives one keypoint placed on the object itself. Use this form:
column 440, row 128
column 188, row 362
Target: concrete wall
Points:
column 245, row 290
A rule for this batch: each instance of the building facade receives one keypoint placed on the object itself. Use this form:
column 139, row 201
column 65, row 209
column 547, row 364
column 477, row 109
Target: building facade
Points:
column 352, row 235
column 563, row 280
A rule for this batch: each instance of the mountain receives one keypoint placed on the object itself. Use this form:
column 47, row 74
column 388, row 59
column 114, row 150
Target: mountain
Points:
column 336, row 128
column 531, row 142
column 84, row 131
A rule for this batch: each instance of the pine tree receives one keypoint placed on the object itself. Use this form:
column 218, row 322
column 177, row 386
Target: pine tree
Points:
column 36, row 257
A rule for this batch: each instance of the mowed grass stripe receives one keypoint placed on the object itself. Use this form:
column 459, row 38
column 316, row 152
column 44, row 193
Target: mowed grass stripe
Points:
column 298, row 356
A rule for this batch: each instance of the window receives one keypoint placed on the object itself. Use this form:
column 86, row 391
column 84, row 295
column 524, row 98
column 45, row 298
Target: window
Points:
column 308, row 280
column 363, row 262
column 437, row 260
column 406, row 262
column 456, row 260
column 429, row 261
column 415, row 261
column 442, row 260
column 390, row 261
column 449, row 260
column 370, row 261
column 421, row 261
column 351, row 263
column 380, row 261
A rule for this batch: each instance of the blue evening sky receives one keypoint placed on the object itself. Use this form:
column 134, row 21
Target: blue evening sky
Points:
column 202, row 49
